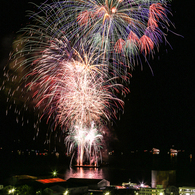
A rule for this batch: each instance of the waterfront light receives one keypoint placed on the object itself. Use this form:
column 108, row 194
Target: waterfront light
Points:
column 11, row 191
column 54, row 173
column 142, row 185
column 66, row 192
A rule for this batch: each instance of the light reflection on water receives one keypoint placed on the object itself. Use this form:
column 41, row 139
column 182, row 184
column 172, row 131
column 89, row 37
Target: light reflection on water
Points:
column 80, row 172
column 113, row 175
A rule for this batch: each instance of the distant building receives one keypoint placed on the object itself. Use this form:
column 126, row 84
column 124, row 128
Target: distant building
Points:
column 152, row 191
column 186, row 190
column 58, row 190
column 118, row 191
column 164, row 178
column 59, row 186
column 90, row 183
column 172, row 190
column 155, row 151
column 173, row 152
column 129, row 185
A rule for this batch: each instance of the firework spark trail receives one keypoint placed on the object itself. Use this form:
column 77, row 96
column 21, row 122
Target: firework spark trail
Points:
column 110, row 24
column 75, row 89
column 87, row 140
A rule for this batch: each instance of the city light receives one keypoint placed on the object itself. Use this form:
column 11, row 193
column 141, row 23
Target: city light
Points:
column 54, row 173
column 66, row 192
column 11, row 191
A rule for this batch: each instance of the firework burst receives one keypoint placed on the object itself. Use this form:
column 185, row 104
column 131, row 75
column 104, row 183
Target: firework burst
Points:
column 70, row 62
column 121, row 29
column 73, row 89
column 65, row 83
column 87, row 140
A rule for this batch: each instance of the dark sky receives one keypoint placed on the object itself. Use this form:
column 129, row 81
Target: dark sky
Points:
column 159, row 111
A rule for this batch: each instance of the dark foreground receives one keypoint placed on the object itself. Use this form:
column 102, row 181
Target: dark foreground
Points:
column 118, row 168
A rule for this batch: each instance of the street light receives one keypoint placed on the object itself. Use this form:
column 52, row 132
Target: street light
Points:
column 54, row 173
column 66, row 192
column 11, row 191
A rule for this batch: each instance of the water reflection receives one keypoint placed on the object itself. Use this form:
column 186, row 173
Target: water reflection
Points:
column 80, row 172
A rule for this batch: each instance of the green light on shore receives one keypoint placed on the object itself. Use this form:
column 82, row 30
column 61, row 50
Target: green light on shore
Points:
column 54, row 173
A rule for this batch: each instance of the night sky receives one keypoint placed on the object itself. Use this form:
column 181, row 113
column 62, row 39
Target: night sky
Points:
column 159, row 110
